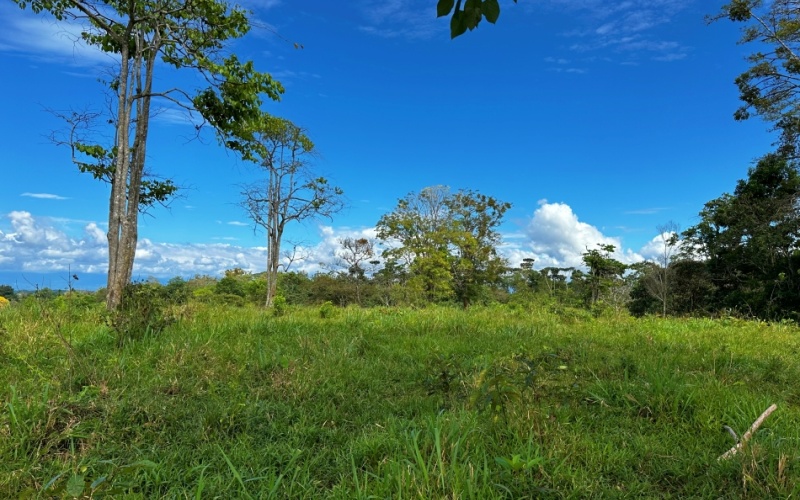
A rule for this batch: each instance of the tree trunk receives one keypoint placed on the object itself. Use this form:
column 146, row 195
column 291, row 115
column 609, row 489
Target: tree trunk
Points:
column 123, row 234
column 274, row 235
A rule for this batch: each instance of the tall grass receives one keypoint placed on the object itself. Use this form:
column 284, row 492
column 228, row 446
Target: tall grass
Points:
column 434, row 403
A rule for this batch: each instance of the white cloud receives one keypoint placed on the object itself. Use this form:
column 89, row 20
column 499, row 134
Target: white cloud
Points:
column 654, row 249
column 47, row 39
column 44, row 196
column 555, row 237
column 237, row 223
column 35, row 244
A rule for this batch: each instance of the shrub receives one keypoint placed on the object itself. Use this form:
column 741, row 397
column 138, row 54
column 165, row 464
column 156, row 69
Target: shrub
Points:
column 177, row 290
column 327, row 309
column 229, row 285
column 3, row 302
column 230, row 299
column 279, row 305
column 203, row 294
column 7, row 292
column 141, row 311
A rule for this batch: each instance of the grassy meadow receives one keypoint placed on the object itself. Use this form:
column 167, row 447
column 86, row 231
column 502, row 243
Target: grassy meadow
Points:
column 491, row 402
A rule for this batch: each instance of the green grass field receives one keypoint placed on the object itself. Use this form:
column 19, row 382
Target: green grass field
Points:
column 394, row 403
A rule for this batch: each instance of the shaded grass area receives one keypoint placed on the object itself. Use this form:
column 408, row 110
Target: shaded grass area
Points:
column 435, row 403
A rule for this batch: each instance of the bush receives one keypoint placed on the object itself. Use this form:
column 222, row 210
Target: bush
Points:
column 3, row 302
column 256, row 291
column 327, row 310
column 177, row 290
column 229, row 285
column 7, row 292
column 230, row 299
column 204, row 295
column 279, row 305
column 141, row 311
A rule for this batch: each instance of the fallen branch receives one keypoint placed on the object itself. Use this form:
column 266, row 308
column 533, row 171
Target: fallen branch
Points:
column 747, row 435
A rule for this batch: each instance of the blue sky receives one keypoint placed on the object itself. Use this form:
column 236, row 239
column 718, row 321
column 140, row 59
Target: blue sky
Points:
column 598, row 121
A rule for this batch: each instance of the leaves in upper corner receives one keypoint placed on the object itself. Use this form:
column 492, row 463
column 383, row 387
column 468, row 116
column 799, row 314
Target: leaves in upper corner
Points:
column 491, row 10
column 470, row 16
column 444, row 7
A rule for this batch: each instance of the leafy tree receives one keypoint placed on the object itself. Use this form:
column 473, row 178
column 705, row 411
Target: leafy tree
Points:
column 296, row 287
column 353, row 256
column 554, row 281
column 692, row 288
column 749, row 240
column 7, row 291
column 141, row 36
column 177, row 290
column 604, row 272
column 291, row 193
column 468, row 14
column 447, row 243
column 474, row 242
column 769, row 87
column 642, row 301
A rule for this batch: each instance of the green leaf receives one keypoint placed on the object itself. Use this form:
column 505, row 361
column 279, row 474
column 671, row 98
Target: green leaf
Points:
column 444, row 7
column 458, row 23
column 490, row 10
column 75, row 486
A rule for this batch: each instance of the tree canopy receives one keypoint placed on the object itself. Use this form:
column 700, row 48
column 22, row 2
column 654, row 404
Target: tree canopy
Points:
column 769, row 87
column 445, row 243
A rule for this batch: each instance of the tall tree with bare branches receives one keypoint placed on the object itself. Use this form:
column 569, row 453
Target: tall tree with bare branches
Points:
column 289, row 193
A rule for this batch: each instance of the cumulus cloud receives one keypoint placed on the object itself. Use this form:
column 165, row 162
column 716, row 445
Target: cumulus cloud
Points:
column 38, row 244
column 555, row 237
column 654, row 249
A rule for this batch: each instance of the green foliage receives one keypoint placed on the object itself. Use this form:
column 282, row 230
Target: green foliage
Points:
column 7, row 291
column 205, row 294
column 605, row 274
column 152, row 191
column 768, row 88
column 120, row 480
column 500, row 387
column 748, row 242
column 468, row 14
column 279, row 306
column 177, row 290
column 448, row 244
column 141, row 313
column 327, row 310
column 230, row 285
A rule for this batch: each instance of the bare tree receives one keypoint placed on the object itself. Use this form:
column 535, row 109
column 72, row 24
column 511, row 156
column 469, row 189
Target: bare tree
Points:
column 289, row 193
column 658, row 282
